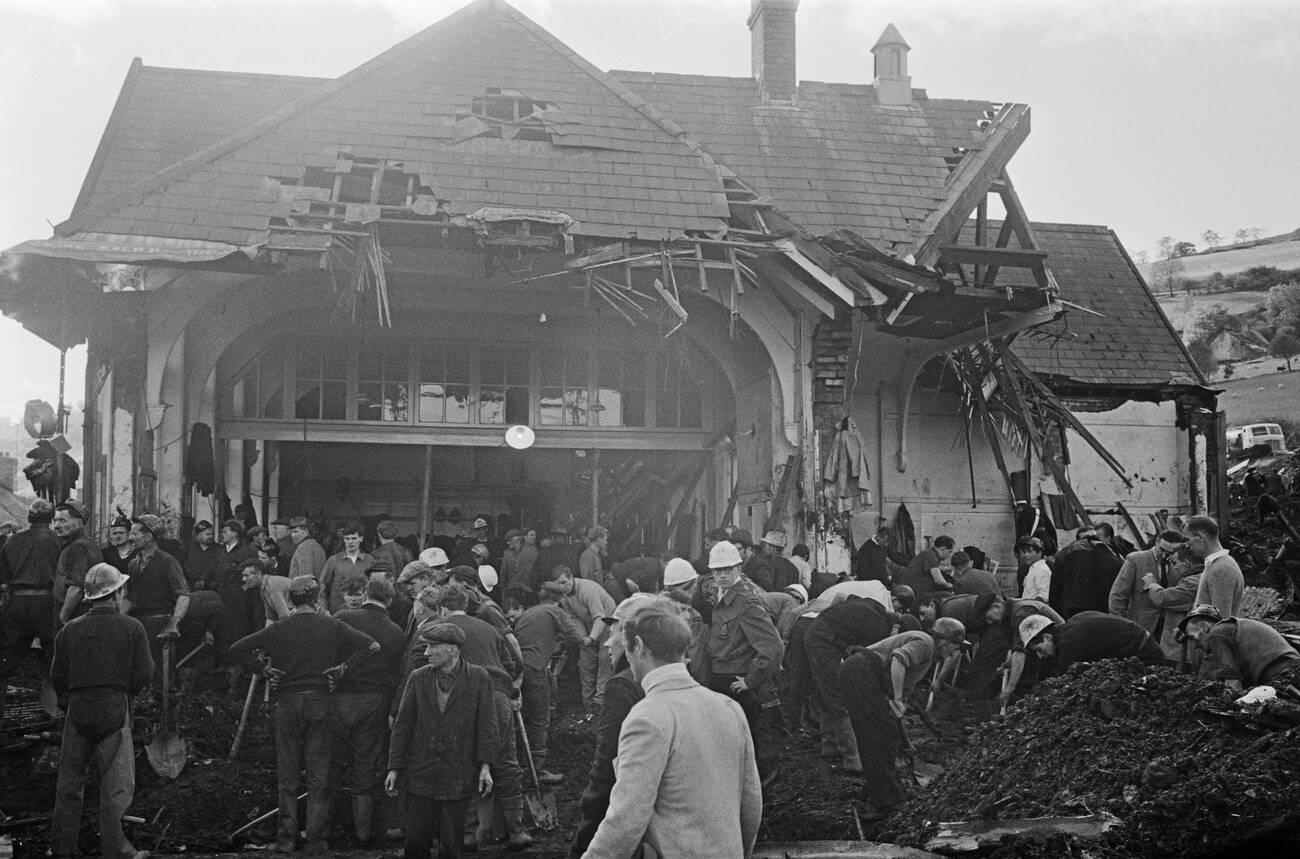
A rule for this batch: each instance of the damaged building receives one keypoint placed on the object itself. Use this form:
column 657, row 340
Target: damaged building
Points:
column 478, row 275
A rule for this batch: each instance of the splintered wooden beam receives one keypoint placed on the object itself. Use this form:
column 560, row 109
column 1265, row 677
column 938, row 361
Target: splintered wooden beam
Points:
column 970, row 183
column 970, row 836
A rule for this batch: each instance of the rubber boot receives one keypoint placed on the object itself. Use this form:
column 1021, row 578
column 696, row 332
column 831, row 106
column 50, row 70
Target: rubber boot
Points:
column 516, row 832
column 847, row 743
column 363, row 815
column 318, row 825
column 480, row 837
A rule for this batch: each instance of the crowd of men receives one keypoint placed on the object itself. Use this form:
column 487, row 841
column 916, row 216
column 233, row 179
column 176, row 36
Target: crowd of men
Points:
column 413, row 682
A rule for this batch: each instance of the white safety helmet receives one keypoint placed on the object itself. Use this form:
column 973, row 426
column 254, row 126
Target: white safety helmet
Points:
column 1032, row 626
column 724, row 555
column 434, row 557
column 487, row 576
column 679, row 571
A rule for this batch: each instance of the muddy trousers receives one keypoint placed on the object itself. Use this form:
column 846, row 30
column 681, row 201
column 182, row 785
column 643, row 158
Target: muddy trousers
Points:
column 359, row 728
column 427, row 819
column 798, row 674
column 594, row 671
column 763, row 722
column 114, row 759
column 537, row 711
column 864, row 680
column 302, row 742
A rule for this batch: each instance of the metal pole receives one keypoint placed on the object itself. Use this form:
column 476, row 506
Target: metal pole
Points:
column 595, row 487
column 424, row 497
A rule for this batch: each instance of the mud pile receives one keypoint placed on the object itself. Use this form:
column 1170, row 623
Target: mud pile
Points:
column 1161, row 751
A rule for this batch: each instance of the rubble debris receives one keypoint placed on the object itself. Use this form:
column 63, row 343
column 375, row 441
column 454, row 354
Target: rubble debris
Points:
column 970, row 836
column 1148, row 745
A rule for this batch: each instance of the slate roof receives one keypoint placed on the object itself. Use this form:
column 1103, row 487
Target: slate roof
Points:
column 839, row 160
column 616, row 166
column 1134, row 344
column 163, row 115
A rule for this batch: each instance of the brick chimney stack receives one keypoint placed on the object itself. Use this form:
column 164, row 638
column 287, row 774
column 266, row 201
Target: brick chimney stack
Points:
column 772, row 38
column 893, row 83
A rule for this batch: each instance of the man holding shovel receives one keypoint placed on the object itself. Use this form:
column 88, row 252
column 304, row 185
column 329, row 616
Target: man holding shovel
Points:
column 100, row 659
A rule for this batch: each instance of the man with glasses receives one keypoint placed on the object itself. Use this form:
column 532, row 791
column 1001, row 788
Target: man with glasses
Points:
column 1128, row 595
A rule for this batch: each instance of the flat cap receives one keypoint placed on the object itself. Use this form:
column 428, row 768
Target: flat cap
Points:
column 442, row 633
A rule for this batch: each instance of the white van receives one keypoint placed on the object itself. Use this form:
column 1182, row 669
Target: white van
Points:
column 1250, row 435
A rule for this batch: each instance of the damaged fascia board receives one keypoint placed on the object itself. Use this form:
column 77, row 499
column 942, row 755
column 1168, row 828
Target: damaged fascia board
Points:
column 826, row 279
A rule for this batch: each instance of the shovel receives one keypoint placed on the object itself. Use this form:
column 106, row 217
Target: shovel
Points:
column 50, row 699
column 243, row 719
column 541, row 803
column 167, row 752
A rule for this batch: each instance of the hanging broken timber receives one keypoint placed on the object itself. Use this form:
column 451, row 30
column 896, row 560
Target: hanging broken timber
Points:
column 673, row 305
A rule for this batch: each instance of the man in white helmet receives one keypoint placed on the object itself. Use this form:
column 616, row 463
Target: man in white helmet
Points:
column 682, row 585
column 101, row 660
column 742, row 651
column 1088, row 636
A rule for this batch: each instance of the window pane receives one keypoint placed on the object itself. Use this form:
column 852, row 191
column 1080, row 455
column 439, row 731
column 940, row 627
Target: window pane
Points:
column 370, row 401
column 432, row 403
column 458, row 404
column 634, row 408
column 246, row 395
column 334, row 401
column 575, row 407
column 550, row 407
column 492, row 406
column 517, row 406
column 273, row 399
column 392, row 191
column 608, row 408
column 307, row 404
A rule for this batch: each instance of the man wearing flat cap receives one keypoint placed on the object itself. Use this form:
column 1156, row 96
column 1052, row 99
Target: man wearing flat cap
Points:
column 158, row 594
column 444, row 740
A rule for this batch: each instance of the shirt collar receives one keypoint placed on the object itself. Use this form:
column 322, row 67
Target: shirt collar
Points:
column 1214, row 556
column 664, row 674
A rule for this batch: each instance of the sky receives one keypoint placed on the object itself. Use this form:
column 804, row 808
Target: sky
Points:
column 1154, row 117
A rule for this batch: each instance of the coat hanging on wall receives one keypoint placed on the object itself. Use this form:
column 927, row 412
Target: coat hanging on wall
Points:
column 846, row 467
column 200, row 465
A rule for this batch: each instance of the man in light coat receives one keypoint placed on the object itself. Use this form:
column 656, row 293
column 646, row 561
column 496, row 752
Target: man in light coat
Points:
column 687, row 782
column 1128, row 594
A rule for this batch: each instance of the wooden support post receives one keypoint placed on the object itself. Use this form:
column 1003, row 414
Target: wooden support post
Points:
column 425, row 488
column 272, row 451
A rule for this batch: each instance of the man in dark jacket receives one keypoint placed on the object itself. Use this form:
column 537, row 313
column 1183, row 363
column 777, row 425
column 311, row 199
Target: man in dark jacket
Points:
column 443, row 743
column 1083, row 575
column 1089, row 636
column 27, row 568
column 309, row 651
column 852, row 623
column 541, row 630
column 201, row 557
column 100, row 660
column 487, row 648
column 359, row 715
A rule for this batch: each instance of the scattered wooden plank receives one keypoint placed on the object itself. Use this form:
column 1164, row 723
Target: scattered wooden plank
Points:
column 838, row 850
column 969, row 836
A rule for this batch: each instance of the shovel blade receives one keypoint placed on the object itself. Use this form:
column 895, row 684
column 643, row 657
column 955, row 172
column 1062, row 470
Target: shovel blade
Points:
column 50, row 699
column 541, row 807
column 167, row 754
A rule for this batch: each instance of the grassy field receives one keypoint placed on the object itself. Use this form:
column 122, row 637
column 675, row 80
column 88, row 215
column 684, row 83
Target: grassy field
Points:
column 1272, row 397
column 1282, row 255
